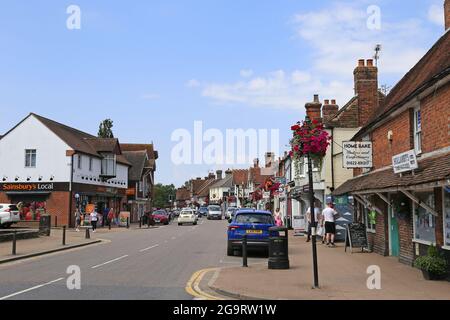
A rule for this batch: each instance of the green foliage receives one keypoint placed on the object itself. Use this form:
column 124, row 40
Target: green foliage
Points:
column 163, row 195
column 105, row 129
column 433, row 262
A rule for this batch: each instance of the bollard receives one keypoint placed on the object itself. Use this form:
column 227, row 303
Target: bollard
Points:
column 88, row 236
column 64, row 236
column 14, row 243
column 140, row 223
column 244, row 251
column 128, row 223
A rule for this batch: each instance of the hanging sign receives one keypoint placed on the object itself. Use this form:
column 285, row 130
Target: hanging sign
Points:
column 405, row 162
column 357, row 154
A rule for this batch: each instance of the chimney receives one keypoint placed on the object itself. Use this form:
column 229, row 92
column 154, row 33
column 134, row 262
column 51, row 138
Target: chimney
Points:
column 256, row 163
column 211, row 175
column 366, row 88
column 228, row 173
column 447, row 14
column 270, row 158
column 219, row 174
column 329, row 110
column 313, row 109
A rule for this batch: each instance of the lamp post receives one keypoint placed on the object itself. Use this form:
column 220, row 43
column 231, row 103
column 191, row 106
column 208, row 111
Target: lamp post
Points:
column 313, row 216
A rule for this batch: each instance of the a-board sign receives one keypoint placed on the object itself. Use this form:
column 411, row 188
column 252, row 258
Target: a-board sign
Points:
column 356, row 237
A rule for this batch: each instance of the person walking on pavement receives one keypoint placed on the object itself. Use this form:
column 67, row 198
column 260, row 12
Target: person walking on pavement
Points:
column 316, row 217
column 77, row 219
column 278, row 220
column 329, row 217
column 110, row 216
column 94, row 219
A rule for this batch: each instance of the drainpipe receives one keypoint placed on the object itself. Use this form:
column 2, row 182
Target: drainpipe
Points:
column 70, row 190
column 332, row 160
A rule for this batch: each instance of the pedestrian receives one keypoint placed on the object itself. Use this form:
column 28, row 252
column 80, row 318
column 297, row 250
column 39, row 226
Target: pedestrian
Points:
column 329, row 217
column 77, row 219
column 317, row 219
column 94, row 219
column 278, row 219
column 110, row 216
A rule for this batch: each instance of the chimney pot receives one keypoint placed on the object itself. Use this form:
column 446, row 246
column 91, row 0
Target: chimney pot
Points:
column 361, row 63
column 327, row 102
column 333, row 102
column 316, row 98
column 370, row 63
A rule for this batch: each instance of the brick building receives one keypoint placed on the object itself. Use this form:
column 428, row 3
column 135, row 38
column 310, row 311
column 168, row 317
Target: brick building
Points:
column 413, row 124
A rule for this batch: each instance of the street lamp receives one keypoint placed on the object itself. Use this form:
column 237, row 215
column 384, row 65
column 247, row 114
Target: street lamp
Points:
column 313, row 215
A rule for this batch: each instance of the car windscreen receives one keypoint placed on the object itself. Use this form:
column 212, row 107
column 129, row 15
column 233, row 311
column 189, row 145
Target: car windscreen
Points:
column 187, row 212
column 161, row 213
column 254, row 218
column 214, row 208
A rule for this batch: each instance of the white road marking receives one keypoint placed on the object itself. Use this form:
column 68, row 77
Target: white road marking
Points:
column 108, row 262
column 149, row 248
column 30, row 289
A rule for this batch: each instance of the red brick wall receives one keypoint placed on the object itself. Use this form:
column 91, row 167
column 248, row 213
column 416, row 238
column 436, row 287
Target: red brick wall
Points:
column 405, row 228
column 381, row 239
column 383, row 149
column 3, row 198
column 435, row 111
column 58, row 205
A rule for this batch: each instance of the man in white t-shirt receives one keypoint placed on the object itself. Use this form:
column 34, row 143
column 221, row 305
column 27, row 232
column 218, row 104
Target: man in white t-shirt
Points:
column 316, row 217
column 329, row 216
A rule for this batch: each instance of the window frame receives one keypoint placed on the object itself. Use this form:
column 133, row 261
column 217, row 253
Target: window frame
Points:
column 80, row 162
column 417, row 207
column 91, row 164
column 29, row 157
column 417, row 126
column 445, row 220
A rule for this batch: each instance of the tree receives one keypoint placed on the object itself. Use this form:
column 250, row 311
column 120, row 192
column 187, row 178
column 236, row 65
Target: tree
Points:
column 105, row 129
column 163, row 195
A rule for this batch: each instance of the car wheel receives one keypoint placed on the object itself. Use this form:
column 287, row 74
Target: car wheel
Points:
column 166, row 223
column 195, row 223
column 180, row 224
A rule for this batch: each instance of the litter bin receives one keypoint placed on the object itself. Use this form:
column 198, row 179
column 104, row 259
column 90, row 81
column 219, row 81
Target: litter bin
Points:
column 278, row 248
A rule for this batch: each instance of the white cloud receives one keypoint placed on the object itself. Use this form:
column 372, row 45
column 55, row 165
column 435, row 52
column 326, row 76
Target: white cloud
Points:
column 436, row 14
column 246, row 73
column 337, row 35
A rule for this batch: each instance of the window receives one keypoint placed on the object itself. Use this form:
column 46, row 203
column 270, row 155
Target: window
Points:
column 424, row 221
column 91, row 161
column 301, row 167
column 80, row 159
column 418, row 130
column 370, row 219
column 30, row 158
column 447, row 216
column 109, row 165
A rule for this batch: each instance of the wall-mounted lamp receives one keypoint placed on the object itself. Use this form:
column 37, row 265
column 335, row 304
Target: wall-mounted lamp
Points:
column 28, row 178
column 40, row 178
column 390, row 136
column 52, row 178
column 17, row 178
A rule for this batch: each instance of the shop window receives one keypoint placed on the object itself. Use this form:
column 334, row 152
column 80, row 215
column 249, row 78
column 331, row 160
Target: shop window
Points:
column 418, row 130
column 30, row 158
column 447, row 216
column 424, row 221
column 370, row 219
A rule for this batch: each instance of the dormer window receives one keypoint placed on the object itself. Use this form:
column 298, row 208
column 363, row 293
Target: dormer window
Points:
column 109, row 165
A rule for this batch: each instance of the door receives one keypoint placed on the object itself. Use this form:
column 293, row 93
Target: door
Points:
column 393, row 234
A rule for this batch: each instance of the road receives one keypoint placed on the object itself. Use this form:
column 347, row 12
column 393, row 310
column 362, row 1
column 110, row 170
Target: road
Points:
column 147, row 264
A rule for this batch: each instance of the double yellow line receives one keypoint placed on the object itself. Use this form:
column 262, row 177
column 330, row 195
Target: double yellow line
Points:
column 193, row 286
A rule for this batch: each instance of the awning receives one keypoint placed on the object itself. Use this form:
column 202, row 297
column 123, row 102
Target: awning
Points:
column 432, row 172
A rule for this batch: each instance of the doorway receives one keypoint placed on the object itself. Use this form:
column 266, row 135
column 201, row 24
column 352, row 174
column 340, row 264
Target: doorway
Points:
column 394, row 238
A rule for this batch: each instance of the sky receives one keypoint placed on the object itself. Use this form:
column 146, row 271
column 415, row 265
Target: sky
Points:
column 157, row 66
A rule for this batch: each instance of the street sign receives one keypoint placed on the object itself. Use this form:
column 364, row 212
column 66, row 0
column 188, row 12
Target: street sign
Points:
column 405, row 162
column 357, row 154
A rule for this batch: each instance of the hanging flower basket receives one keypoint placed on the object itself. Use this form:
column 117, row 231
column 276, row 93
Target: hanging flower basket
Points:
column 309, row 138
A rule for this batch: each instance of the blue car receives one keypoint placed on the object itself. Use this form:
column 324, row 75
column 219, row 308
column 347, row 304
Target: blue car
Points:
column 253, row 223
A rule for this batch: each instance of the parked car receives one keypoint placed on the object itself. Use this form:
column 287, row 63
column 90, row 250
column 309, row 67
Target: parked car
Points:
column 187, row 216
column 203, row 211
column 230, row 212
column 9, row 215
column 253, row 223
column 161, row 216
column 214, row 212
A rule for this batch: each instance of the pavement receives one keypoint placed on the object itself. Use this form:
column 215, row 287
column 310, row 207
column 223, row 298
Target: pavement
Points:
column 342, row 276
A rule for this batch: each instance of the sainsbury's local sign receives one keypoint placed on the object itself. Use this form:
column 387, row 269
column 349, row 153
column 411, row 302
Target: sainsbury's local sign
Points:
column 405, row 162
column 357, row 154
